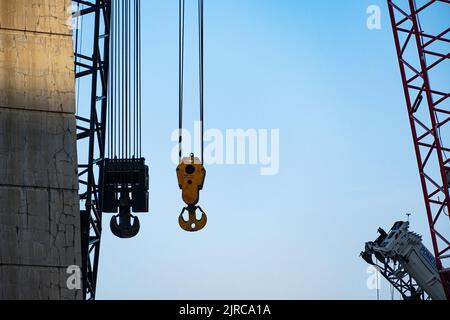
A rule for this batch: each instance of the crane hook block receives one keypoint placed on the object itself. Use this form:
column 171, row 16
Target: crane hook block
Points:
column 191, row 176
column 125, row 189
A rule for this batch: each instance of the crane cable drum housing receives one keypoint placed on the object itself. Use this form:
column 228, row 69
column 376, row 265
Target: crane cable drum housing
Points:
column 126, row 176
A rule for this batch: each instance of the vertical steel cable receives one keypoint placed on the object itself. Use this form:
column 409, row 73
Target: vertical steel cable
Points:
column 139, row 70
column 110, row 83
column 135, row 79
column 116, row 77
column 126, row 46
column 201, row 78
column 125, row 81
column 139, row 66
column 129, row 79
column 181, row 75
column 136, row 35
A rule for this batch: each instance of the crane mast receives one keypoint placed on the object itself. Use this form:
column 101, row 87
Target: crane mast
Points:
column 92, row 64
column 423, row 57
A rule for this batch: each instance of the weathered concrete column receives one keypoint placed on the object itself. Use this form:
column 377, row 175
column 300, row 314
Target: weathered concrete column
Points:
column 39, row 209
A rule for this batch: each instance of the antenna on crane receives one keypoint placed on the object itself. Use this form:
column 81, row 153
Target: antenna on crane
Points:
column 408, row 215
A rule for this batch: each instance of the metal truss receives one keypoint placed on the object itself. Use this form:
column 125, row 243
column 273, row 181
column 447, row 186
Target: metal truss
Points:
column 92, row 64
column 423, row 55
column 397, row 276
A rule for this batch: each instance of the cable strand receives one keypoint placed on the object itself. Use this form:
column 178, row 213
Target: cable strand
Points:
column 181, row 75
column 201, row 75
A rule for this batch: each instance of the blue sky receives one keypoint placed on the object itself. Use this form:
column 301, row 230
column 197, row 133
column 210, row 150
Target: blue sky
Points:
column 332, row 87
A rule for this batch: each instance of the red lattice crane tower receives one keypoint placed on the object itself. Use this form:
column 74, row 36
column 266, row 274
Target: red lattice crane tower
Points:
column 422, row 39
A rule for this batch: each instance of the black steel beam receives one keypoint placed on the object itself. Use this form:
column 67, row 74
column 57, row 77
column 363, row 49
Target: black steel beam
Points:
column 93, row 129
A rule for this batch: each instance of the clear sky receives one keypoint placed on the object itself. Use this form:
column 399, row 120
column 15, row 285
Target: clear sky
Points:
column 332, row 87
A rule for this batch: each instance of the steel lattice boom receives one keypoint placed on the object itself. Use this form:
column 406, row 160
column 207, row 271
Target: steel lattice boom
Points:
column 92, row 64
column 422, row 44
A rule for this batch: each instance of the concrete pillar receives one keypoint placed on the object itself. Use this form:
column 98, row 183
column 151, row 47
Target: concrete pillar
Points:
column 39, row 209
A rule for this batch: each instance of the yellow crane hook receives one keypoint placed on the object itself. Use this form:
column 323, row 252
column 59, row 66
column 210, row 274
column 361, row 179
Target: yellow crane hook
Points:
column 191, row 176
